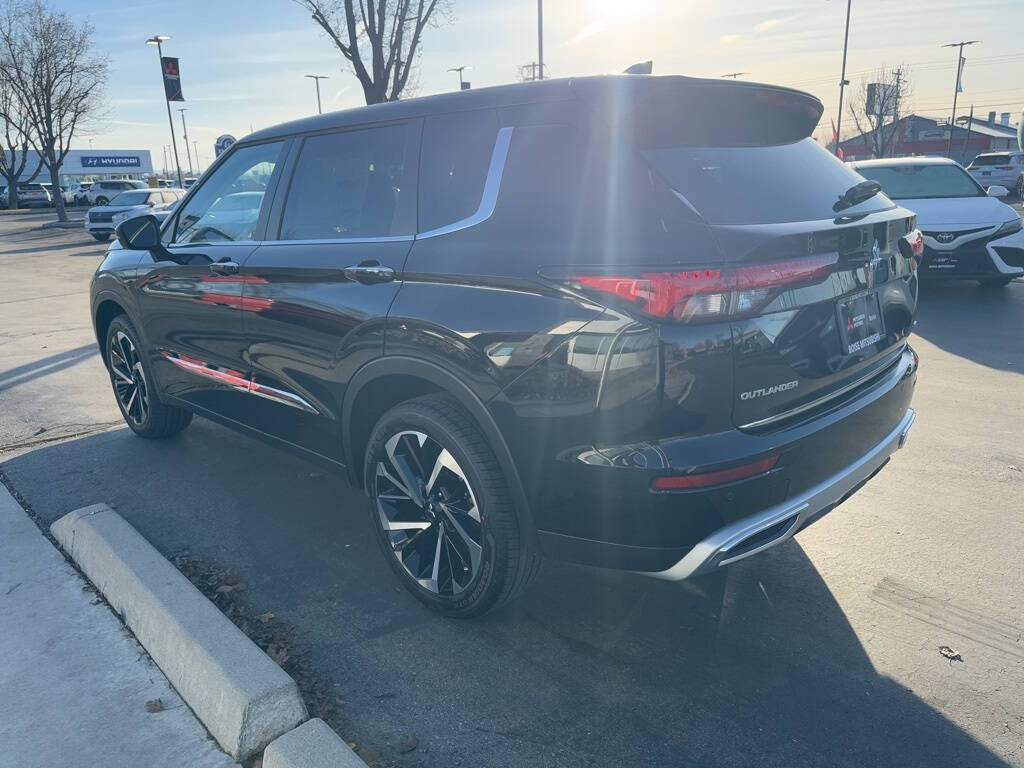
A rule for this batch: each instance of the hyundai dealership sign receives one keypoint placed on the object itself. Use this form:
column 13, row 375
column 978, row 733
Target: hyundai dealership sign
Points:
column 111, row 161
column 98, row 163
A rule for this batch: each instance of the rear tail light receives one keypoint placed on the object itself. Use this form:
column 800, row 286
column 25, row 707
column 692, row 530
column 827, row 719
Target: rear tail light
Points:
column 708, row 293
column 718, row 477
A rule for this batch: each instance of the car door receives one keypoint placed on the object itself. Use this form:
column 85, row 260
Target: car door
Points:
column 190, row 296
column 317, row 292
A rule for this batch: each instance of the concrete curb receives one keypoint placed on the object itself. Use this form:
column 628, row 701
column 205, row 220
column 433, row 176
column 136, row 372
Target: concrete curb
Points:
column 312, row 745
column 73, row 224
column 242, row 697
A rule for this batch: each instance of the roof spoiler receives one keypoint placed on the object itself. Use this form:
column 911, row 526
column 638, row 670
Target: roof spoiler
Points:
column 643, row 68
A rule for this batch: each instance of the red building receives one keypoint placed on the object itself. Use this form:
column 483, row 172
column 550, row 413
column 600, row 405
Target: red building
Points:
column 918, row 135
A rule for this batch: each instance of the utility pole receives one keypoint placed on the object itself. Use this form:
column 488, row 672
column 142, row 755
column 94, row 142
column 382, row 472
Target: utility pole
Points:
column 893, row 137
column 970, row 122
column 540, row 39
column 316, row 79
column 843, row 82
column 184, row 129
column 195, row 146
column 164, row 148
column 956, row 89
column 156, row 40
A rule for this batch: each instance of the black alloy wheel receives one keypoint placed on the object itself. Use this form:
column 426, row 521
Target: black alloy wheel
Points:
column 133, row 385
column 101, row 201
column 129, row 379
column 442, row 510
column 429, row 513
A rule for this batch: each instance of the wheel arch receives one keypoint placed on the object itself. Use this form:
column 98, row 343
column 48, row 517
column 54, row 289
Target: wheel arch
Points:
column 385, row 382
column 107, row 308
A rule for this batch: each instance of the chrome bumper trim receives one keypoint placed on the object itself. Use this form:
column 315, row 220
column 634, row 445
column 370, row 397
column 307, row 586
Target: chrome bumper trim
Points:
column 713, row 552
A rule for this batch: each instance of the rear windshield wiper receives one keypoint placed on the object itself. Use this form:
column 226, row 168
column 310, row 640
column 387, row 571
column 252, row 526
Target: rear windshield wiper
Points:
column 858, row 193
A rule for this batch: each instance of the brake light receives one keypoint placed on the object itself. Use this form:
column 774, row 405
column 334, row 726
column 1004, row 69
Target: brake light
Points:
column 709, row 293
column 719, row 477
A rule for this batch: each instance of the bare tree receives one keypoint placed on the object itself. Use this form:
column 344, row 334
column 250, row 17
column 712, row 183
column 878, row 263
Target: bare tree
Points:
column 14, row 140
column 47, row 58
column 379, row 38
column 876, row 108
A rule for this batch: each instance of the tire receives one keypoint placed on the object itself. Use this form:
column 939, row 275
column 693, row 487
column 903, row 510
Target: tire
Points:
column 466, row 502
column 131, row 378
column 101, row 201
column 102, row 238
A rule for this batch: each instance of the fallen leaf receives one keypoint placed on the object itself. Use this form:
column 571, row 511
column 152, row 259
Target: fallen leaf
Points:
column 265, row 617
column 39, row 431
column 1015, row 468
column 410, row 743
column 154, row 705
column 224, row 589
column 239, row 587
column 950, row 653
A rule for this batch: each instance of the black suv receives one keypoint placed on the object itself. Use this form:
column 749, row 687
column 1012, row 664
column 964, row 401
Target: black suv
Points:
column 635, row 322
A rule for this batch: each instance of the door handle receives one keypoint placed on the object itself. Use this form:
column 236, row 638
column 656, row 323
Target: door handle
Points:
column 369, row 272
column 224, row 267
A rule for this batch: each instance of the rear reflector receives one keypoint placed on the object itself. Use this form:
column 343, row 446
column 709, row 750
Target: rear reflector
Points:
column 707, row 479
column 709, row 293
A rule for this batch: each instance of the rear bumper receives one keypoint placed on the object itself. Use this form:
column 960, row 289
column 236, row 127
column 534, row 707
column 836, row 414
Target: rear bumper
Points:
column 774, row 525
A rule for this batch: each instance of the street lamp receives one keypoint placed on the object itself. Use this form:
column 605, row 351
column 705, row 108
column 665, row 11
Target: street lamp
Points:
column 184, row 129
column 156, row 40
column 540, row 39
column 317, row 79
column 460, row 70
column 843, row 82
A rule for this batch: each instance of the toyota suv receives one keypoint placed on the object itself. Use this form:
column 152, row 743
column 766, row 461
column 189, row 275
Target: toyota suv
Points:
column 636, row 322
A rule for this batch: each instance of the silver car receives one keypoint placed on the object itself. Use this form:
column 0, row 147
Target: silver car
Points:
column 1003, row 169
column 101, row 221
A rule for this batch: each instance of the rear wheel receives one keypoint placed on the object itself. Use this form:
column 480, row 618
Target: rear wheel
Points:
column 101, row 237
column 442, row 510
column 133, row 385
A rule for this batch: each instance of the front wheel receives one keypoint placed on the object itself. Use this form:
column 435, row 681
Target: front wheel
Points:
column 101, row 201
column 101, row 237
column 133, row 385
column 442, row 509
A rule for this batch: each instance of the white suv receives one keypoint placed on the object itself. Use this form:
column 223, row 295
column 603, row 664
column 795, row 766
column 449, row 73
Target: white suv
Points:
column 102, row 192
column 1004, row 169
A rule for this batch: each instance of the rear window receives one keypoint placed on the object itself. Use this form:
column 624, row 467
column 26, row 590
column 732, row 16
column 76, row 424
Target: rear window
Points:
column 923, row 181
column 130, row 198
column 991, row 160
column 758, row 185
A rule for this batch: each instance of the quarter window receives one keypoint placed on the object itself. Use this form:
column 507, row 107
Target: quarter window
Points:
column 227, row 206
column 354, row 184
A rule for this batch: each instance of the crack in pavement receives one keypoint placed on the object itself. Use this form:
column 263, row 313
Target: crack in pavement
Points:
column 50, row 438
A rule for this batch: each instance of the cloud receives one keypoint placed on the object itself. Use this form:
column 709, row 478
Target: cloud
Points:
column 767, row 25
column 730, row 39
column 588, row 31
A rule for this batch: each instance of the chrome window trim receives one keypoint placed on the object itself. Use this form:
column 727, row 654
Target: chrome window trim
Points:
column 344, row 240
column 489, row 198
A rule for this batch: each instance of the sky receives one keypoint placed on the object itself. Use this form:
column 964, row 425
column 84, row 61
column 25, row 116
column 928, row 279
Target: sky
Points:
column 243, row 61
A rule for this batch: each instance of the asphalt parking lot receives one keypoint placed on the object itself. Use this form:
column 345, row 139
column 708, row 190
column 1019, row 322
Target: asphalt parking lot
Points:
column 821, row 652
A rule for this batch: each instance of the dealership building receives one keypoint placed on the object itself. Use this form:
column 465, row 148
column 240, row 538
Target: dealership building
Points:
column 94, row 164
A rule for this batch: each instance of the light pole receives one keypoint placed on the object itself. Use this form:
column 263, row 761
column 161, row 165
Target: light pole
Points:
column 843, row 82
column 317, row 79
column 956, row 89
column 460, row 70
column 195, row 146
column 184, row 129
column 540, row 39
column 156, row 40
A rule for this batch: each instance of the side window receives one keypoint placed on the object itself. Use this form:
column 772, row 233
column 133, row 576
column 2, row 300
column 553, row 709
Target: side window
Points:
column 457, row 151
column 353, row 184
column 228, row 204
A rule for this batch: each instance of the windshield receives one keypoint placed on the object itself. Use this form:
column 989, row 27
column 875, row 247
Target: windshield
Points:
column 991, row 160
column 758, row 185
column 130, row 198
column 922, row 181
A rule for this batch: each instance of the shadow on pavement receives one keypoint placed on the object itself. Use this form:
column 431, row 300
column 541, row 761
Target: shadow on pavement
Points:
column 756, row 666
column 23, row 374
column 980, row 324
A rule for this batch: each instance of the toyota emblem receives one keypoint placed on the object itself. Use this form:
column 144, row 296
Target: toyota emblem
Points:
column 945, row 237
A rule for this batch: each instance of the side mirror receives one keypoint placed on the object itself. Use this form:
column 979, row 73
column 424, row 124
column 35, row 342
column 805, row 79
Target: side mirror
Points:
column 997, row 190
column 141, row 233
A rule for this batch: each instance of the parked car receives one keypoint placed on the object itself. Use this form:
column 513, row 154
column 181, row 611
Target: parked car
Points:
column 603, row 320
column 99, row 221
column 102, row 192
column 77, row 193
column 33, row 196
column 163, row 203
column 1005, row 169
column 968, row 233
